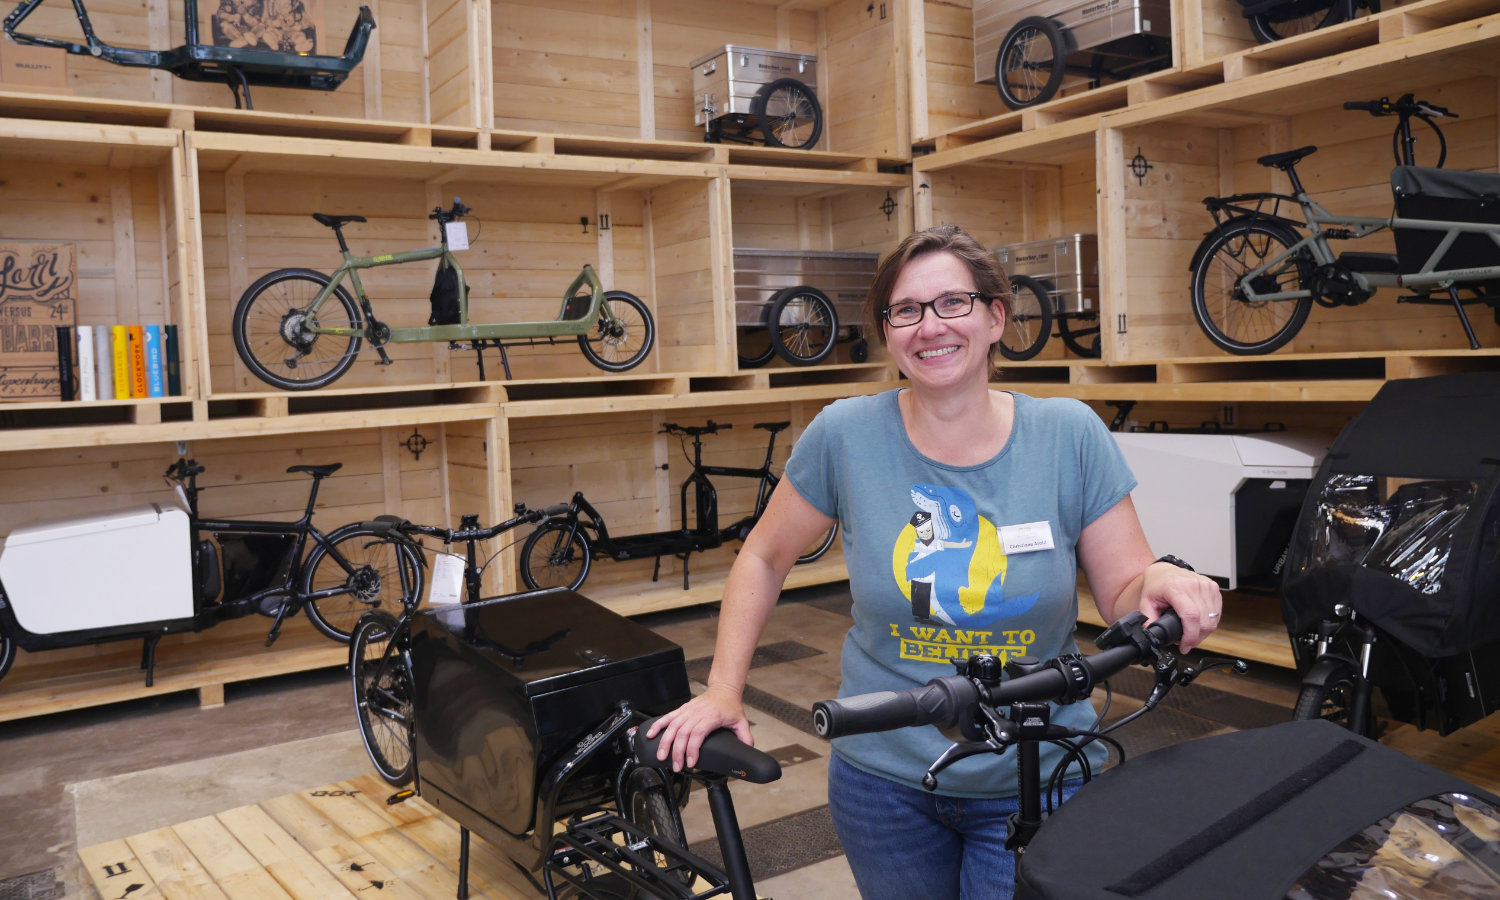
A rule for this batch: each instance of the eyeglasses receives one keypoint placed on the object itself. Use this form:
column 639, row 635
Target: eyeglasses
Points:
column 948, row 306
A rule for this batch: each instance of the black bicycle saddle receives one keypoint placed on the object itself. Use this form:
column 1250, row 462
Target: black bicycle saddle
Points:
column 1286, row 158
column 336, row 221
column 317, row 471
column 721, row 754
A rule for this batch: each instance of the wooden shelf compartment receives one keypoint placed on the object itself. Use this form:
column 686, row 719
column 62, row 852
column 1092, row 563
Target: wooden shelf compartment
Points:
column 574, row 74
column 1150, row 228
column 867, row 213
column 632, row 474
column 754, row 157
column 117, row 194
column 529, row 242
column 422, row 64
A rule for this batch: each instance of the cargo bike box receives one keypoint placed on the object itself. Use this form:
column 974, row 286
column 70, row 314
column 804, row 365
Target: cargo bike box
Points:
column 796, row 304
column 745, row 94
column 506, row 694
column 1067, row 270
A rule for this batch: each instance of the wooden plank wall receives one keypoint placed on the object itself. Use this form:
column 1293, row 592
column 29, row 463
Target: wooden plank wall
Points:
column 389, row 84
column 954, row 99
column 245, row 478
column 1165, row 220
column 859, row 67
column 681, row 232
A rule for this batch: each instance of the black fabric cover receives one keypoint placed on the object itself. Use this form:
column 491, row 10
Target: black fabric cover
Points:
column 1447, row 195
column 1446, row 427
column 444, row 297
column 1233, row 817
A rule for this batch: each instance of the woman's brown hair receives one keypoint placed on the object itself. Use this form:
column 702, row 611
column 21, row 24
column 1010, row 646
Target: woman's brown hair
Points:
column 989, row 276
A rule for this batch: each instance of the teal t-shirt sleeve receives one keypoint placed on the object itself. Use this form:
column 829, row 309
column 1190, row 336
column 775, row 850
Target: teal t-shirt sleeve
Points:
column 811, row 468
column 1107, row 478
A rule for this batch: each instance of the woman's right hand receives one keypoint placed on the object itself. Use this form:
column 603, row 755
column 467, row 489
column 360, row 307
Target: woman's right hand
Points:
column 684, row 728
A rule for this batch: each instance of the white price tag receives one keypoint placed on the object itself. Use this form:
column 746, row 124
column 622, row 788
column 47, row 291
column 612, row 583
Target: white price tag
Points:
column 447, row 579
column 458, row 235
column 1027, row 538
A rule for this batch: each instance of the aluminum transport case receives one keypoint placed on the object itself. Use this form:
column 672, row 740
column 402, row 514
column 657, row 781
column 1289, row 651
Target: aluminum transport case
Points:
column 1068, row 266
column 101, row 571
column 758, row 274
column 505, row 687
column 726, row 80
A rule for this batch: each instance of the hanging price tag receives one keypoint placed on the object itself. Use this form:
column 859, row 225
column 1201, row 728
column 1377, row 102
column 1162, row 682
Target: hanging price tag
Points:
column 458, row 235
column 447, row 579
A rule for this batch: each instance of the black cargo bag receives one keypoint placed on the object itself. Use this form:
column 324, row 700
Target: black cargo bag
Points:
column 444, row 296
column 1402, row 522
column 1451, row 196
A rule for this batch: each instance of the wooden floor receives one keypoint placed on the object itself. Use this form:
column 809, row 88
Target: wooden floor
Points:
column 338, row 841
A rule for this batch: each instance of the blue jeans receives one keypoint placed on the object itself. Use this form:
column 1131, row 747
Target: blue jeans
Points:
column 904, row 843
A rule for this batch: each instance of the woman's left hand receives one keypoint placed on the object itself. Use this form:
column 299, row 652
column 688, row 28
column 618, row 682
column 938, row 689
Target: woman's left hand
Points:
column 1195, row 598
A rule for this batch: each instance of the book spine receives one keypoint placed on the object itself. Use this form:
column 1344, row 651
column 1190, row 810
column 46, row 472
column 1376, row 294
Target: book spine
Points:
column 173, row 357
column 104, row 356
column 156, row 382
column 120, row 342
column 67, row 385
column 87, row 386
column 136, row 344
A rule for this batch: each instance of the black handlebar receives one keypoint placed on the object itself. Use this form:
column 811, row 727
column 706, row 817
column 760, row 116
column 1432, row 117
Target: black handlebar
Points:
column 456, row 535
column 184, row 469
column 453, row 214
column 946, row 700
column 694, row 430
column 1404, row 105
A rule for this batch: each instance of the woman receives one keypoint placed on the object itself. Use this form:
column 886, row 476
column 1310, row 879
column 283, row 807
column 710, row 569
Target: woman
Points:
column 966, row 513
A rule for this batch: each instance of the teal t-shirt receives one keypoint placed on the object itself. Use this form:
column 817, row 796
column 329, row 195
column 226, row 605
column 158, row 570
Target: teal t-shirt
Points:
column 945, row 561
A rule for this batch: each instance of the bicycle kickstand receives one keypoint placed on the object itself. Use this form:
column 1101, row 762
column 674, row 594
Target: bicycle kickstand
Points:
column 1463, row 316
column 148, row 658
column 275, row 631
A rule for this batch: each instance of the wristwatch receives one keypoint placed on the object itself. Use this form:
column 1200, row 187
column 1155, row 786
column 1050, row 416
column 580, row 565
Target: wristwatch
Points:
column 1176, row 561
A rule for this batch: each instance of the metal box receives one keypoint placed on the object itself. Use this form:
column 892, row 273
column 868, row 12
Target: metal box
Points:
column 1068, row 267
column 1086, row 24
column 506, row 687
column 726, row 80
column 845, row 276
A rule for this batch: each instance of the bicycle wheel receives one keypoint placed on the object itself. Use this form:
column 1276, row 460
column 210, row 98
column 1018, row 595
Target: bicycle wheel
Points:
column 7, row 652
column 1030, row 320
column 1029, row 66
column 753, row 346
column 1297, row 17
column 373, row 581
column 271, row 336
column 1082, row 339
column 382, row 697
column 649, row 807
column 555, row 555
column 1333, row 699
column 789, row 114
column 803, row 325
column 1230, row 321
column 622, row 344
column 820, row 546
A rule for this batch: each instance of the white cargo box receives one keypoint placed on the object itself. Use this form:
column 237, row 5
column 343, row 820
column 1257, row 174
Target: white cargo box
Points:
column 1223, row 502
column 120, row 568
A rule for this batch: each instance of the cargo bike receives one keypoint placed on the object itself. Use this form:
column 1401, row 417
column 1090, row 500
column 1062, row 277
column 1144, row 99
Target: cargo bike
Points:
column 1052, row 280
column 523, row 718
column 1032, row 49
column 797, row 304
column 748, row 94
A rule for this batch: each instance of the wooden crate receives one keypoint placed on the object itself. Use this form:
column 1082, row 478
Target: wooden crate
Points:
column 536, row 223
column 572, row 69
column 1150, row 229
column 808, row 215
column 422, row 64
column 246, row 477
column 632, row 474
column 116, row 194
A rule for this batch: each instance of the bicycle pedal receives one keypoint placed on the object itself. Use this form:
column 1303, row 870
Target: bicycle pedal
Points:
column 400, row 797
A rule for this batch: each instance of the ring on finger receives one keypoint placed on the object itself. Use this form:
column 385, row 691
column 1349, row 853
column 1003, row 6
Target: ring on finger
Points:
column 1213, row 615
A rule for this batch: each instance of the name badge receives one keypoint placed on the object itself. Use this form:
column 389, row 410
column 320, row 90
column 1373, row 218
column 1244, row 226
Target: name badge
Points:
column 1027, row 538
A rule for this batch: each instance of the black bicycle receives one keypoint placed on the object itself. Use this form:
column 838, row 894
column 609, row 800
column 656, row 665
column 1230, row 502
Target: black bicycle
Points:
column 559, row 553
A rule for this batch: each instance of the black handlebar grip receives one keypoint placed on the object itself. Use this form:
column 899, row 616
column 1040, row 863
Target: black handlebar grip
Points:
column 936, row 702
column 557, row 509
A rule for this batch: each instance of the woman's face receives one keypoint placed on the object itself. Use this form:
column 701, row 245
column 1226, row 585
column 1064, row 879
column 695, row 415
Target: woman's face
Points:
column 940, row 353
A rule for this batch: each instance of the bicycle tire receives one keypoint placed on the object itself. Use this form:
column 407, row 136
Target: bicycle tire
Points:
column 382, row 697
column 279, row 300
column 1084, row 341
column 375, row 583
column 7, row 652
column 624, row 345
column 1330, row 699
column 561, row 562
column 820, row 546
column 1015, row 57
column 1030, row 321
column 1268, row 28
column 804, row 326
column 648, row 806
column 1220, row 252
column 753, row 347
column 795, row 119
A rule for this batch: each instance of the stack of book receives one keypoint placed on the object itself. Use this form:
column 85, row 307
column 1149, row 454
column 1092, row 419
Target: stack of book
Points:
column 118, row 362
